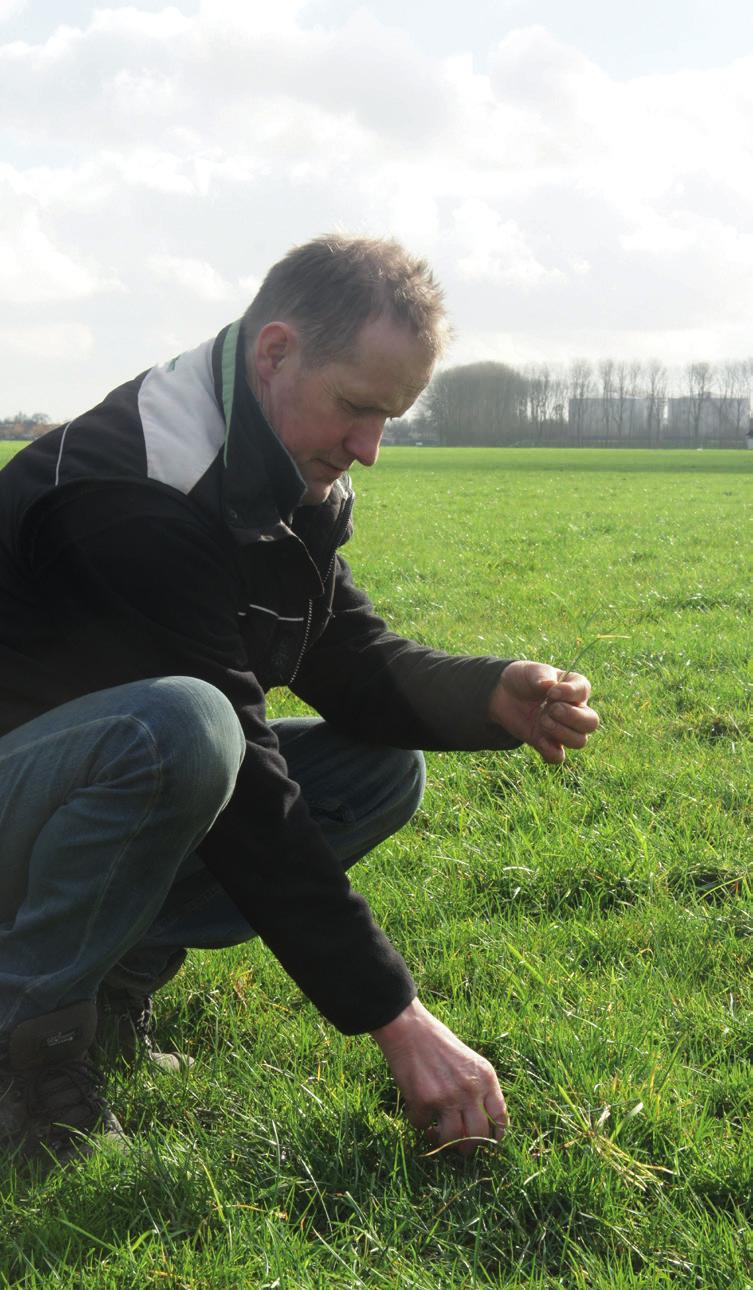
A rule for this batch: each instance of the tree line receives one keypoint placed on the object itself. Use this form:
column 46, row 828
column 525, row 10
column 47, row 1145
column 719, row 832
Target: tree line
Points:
column 25, row 425
column 613, row 401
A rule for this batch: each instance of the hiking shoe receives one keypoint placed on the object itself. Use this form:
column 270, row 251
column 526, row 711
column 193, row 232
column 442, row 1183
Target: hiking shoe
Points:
column 124, row 1029
column 126, row 1012
column 51, row 1104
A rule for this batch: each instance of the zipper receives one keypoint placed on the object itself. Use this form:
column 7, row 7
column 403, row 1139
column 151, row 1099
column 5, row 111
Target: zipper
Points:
column 307, row 629
column 341, row 527
column 330, row 567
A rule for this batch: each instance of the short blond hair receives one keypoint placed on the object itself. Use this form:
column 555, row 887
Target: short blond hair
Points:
column 330, row 287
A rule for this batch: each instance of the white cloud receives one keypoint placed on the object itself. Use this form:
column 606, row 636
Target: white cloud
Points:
column 166, row 172
column 45, row 341
column 178, row 153
column 196, row 276
column 34, row 269
column 249, row 285
column 497, row 250
column 10, row 8
column 536, row 70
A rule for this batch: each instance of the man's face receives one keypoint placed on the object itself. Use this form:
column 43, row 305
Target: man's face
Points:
column 330, row 416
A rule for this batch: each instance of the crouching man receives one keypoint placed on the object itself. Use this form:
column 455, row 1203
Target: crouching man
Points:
column 166, row 559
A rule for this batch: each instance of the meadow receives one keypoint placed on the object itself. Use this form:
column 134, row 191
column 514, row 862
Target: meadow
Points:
column 589, row 928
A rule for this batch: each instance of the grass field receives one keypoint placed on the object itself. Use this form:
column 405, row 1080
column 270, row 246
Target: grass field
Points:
column 588, row 928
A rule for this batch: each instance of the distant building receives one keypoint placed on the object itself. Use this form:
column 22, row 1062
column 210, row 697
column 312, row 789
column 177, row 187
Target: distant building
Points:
column 711, row 420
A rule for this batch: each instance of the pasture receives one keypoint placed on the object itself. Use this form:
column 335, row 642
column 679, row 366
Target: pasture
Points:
column 588, row 928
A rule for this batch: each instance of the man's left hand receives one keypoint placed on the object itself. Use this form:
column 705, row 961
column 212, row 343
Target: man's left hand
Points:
column 534, row 702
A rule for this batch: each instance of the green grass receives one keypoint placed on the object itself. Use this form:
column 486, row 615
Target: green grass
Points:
column 588, row 928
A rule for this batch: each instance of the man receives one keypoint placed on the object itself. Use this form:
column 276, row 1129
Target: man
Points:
column 165, row 559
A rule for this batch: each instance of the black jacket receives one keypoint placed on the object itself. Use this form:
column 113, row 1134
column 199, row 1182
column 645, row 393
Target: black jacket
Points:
column 161, row 534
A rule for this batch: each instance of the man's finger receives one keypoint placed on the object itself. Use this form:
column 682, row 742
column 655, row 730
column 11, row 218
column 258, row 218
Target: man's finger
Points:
column 450, row 1127
column 496, row 1110
column 576, row 689
column 562, row 736
column 479, row 1125
column 560, row 730
column 569, row 725
column 420, row 1117
column 582, row 719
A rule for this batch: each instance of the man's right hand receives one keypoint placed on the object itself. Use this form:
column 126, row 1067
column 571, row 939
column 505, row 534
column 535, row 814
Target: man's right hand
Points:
column 449, row 1091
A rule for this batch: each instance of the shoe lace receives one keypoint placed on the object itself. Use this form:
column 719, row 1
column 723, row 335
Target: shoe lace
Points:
column 136, row 1010
column 139, row 1013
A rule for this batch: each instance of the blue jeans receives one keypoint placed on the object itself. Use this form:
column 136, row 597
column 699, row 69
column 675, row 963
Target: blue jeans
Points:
column 103, row 802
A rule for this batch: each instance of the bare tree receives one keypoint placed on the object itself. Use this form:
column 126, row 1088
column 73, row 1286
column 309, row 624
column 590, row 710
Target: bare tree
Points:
column 606, row 376
column 700, row 377
column 539, row 394
column 656, row 393
column 747, row 374
column 734, row 399
column 581, row 387
column 623, row 385
column 559, row 398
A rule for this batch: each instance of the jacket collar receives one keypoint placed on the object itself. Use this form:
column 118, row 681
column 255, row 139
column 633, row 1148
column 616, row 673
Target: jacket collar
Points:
column 261, row 484
column 261, row 488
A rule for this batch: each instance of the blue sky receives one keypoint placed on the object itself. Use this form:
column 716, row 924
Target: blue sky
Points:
column 580, row 174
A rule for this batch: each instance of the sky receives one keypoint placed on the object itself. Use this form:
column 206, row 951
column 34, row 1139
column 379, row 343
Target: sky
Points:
column 578, row 174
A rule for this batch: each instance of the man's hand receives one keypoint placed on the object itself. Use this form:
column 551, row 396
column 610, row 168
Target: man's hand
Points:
column 535, row 704
column 449, row 1090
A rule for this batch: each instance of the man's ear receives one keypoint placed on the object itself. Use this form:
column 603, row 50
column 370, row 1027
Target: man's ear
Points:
column 276, row 342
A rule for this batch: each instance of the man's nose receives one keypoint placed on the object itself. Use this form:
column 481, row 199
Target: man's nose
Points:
column 363, row 439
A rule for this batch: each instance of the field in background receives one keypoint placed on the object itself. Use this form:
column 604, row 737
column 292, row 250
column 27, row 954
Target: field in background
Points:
column 589, row 928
